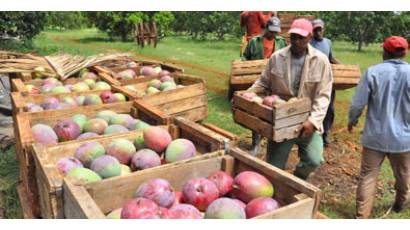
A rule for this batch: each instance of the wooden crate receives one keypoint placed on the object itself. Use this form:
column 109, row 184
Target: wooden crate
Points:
column 282, row 122
column 19, row 80
column 244, row 74
column 20, row 100
column 23, row 123
column 345, row 76
column 190, row 101
column 298, row 198
column 49, row 180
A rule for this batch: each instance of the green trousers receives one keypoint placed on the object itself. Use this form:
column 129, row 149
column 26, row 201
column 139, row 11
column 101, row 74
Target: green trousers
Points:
column 310, row 151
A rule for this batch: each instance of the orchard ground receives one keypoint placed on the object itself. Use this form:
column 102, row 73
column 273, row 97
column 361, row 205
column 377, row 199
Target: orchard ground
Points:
column 211, row 60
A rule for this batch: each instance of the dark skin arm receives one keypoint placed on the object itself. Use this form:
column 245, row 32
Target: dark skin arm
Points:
column 307, row 129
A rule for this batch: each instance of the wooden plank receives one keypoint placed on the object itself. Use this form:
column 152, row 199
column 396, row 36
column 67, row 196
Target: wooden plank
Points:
column 252, row 122
column 290, row 121
column 176, row 94
column 17, row 101
column 245, row 79
column 247, row 71
column 196, row 114
column 240, row 63
column 178, row 106
column 287, row 133
column 151, row 111
column 345, row 67
column 194, row 129
column 108, row 199
column 17, row 85
column 109, row 79
column 346, row 81
column 346, row 74
column 253, row 108
column 298, row 210
column 220, row 131
column 343, row 86
column 239, row 87
column 302, row 105
column 25, row 202
column 78, row 203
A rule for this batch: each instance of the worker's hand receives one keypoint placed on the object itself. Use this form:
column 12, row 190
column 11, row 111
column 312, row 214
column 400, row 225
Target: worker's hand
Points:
column 350, row 127
column 307, row 129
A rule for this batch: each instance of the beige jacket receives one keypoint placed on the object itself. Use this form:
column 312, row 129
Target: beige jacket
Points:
column 315, row 82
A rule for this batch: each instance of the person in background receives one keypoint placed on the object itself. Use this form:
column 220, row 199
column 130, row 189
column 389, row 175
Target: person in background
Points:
column 253, row 22
column 262, row 47
column 325, row 46
column 299, row 70
column 385, row 89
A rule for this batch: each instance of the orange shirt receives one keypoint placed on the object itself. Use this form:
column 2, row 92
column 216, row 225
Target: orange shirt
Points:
column 268, row 47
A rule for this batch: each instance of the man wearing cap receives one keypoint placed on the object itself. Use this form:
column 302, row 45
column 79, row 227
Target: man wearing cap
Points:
column 299, row 70
column 325, row 46
column 385, row 89
column 262, row 47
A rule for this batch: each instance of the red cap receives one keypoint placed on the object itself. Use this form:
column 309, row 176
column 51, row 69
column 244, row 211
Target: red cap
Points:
column 391, row 44
column 301, row 26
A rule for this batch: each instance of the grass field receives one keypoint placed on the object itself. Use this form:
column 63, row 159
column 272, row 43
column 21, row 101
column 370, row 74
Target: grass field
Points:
column 211, row 61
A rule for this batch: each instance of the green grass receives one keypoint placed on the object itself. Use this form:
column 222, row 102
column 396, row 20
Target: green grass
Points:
column 9, row 176
column 211, row 61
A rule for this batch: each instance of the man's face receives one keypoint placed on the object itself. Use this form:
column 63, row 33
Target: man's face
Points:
column 318, row 33
column 299, row 44
column 270, row 35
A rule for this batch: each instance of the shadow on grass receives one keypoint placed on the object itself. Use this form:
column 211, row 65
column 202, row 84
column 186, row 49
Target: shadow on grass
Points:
column 88, row 40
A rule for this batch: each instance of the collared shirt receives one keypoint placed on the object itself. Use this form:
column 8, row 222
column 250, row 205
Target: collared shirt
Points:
column 385, row 89
column 315, row 82
column 255, row 48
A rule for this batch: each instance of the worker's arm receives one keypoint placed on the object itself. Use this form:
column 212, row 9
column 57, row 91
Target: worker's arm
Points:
column 359, row 101
column 332, row 59
column 263, row 84
column 243, row 19
column 321, row 101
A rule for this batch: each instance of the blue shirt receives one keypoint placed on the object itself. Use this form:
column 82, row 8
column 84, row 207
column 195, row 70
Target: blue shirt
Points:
column 385, row 89
column 325, row 46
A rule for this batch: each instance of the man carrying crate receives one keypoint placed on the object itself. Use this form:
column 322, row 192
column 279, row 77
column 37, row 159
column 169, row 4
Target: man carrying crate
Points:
column 325, row 46
column 299, row 70
column 262, row 47
column 385, row 89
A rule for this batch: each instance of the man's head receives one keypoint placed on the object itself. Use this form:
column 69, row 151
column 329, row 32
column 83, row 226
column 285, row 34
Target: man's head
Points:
column 272, row 28
column 395, row 47
column 300, row 35
column 318, row 29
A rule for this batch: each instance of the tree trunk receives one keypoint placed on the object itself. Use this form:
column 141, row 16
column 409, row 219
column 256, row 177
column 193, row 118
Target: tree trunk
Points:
column 359, row 46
